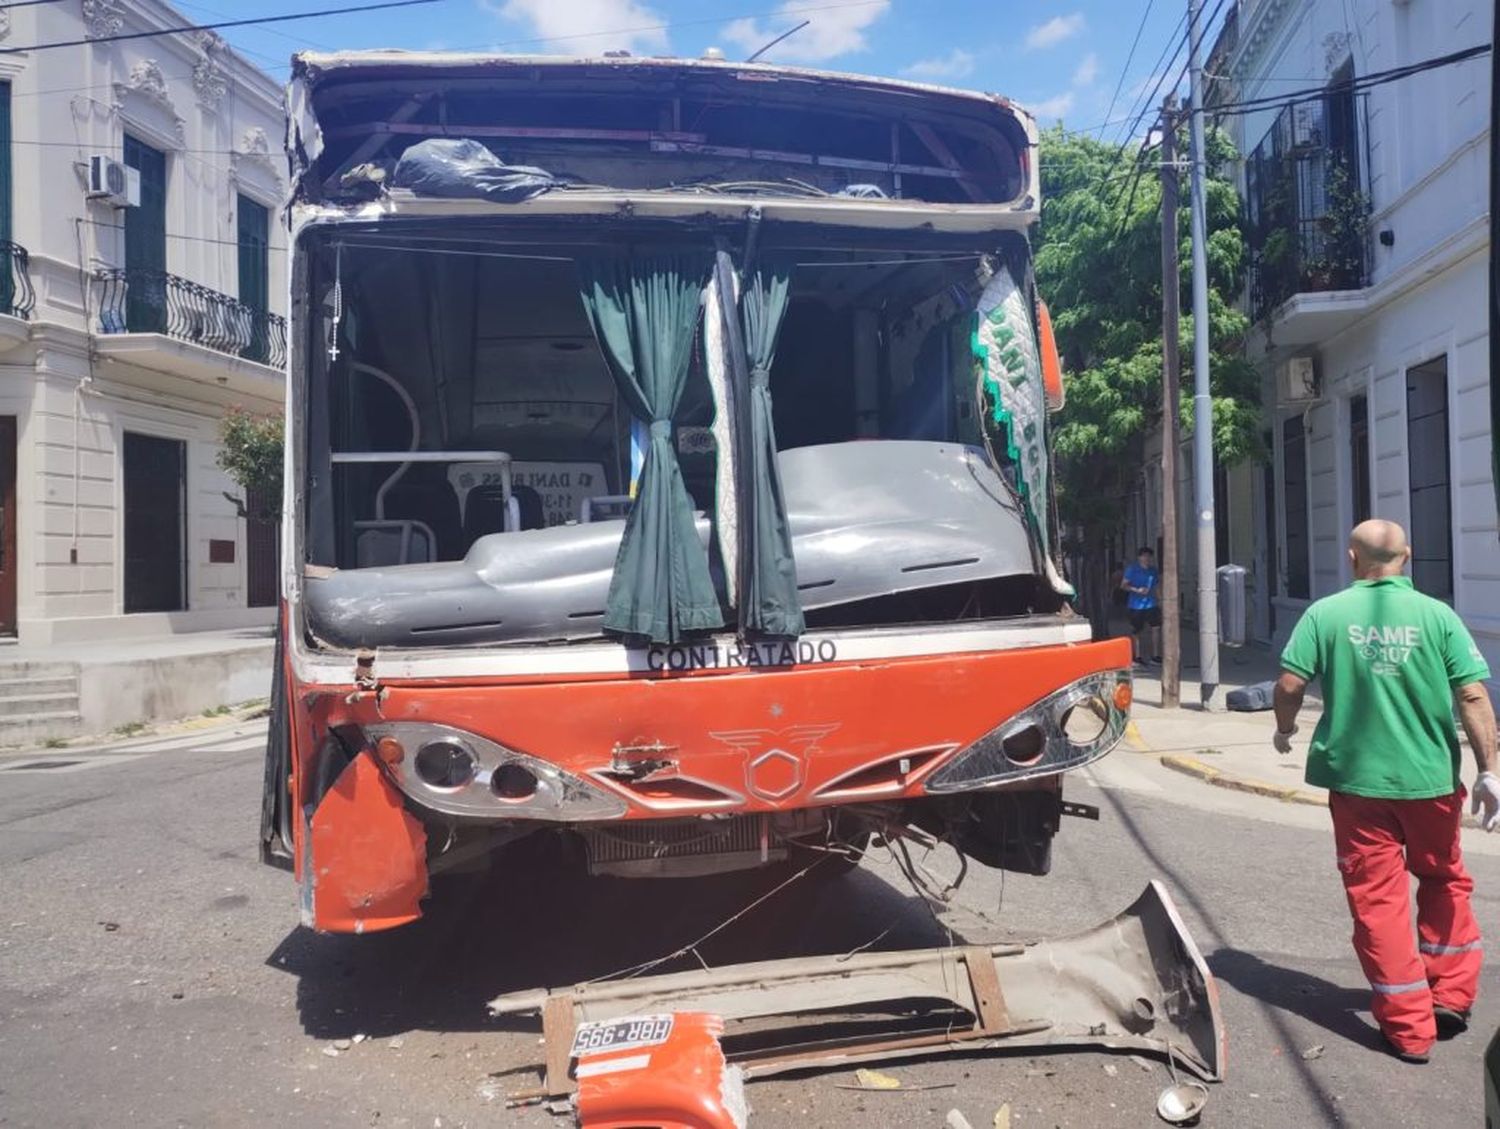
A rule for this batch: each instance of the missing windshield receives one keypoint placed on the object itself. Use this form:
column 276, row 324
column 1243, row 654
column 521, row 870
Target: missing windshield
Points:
column 533, row 441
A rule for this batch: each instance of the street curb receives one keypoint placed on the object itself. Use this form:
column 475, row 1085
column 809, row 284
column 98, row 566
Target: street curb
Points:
column 1192, row 766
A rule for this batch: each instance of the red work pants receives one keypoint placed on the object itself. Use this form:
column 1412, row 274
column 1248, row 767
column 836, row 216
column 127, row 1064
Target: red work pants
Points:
column 1378, row 841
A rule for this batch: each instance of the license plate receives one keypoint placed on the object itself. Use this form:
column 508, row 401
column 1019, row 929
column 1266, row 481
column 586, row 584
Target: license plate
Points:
column 620, row 1034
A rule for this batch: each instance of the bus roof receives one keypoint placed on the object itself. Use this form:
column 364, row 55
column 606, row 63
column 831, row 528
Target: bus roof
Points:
column 660, row 124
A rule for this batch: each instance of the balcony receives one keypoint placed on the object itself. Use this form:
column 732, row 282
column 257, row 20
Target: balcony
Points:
column 212, row 327
column 17, row 298
column 1306, row 221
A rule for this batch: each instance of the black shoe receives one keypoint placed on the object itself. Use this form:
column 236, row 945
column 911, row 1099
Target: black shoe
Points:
column 1416, row 1058
column 1450, row 1021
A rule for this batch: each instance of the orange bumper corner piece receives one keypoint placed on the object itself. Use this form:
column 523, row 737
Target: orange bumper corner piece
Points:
column 683, row 1083
column 369, row 855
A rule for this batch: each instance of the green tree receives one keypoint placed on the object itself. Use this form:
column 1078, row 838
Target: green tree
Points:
column 251, row 454
column 1098, row 265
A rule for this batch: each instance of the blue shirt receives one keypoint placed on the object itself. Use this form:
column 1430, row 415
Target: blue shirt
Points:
column 1137, row 576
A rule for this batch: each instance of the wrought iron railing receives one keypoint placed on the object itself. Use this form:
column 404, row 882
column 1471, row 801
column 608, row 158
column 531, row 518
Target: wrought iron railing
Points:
column 17, row 298
column 137, row 300
column 1306, row 215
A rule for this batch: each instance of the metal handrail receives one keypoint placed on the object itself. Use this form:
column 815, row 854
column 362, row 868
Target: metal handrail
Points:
column 17, row 298
column 142, row 300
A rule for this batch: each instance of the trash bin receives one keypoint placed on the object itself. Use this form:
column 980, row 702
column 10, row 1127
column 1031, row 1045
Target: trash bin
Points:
column 1233, row 625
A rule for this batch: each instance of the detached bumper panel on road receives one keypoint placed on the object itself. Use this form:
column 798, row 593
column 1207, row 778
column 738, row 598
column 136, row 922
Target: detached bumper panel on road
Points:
column 1135, row 982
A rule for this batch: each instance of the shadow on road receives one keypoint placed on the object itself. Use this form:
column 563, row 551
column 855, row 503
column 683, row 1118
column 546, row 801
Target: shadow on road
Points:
column 546, row 926
column 1317, row 1000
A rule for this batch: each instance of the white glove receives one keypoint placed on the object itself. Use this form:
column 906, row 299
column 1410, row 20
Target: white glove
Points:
column 1283, row 742
column 1487, row 796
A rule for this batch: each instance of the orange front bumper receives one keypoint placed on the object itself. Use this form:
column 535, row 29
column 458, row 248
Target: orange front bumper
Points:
column 742, row 741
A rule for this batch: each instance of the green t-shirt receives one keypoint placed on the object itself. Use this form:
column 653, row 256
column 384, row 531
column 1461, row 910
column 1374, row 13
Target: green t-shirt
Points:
column 1389, row 658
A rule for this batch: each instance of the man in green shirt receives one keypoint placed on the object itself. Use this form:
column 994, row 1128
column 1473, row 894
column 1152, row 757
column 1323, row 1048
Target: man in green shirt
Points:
column 1393, row 663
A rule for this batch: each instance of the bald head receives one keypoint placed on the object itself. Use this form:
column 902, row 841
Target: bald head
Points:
column 1378, row 548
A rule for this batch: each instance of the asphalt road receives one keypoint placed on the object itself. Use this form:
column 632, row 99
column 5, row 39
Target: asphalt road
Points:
column 152, row 972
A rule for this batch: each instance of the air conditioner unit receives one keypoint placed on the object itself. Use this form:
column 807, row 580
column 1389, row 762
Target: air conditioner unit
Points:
column 114, row 183
column 1296, row 381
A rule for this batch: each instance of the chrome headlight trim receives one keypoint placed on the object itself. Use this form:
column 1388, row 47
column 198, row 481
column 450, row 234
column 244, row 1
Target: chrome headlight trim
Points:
column 560, row 797
column 984, row 764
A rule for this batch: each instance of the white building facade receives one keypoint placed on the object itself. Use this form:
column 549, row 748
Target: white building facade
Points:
column 1367, row 222
column 141, row 299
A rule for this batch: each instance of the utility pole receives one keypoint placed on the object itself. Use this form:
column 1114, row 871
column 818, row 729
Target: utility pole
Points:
column 1171, row 607
column 1203, row 406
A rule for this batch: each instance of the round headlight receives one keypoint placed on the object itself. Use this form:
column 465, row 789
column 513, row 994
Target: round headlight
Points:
column 445, row 763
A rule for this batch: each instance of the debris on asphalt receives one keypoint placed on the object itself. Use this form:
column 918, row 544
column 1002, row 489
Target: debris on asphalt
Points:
column 360, row 1038
column 342, row 1044
column 875, row 1080
column 956, row 1120
column 396, row 1043
column 331, row 1052
column 1182, row 1104
column 1145, row 1064
column 490, row 1089
column 1040, row 1072
column 1111, row 1069
column 110, row 926
column 1312, row 1052
column 899, row 1088
column 177, row 995
column 1002, row 1117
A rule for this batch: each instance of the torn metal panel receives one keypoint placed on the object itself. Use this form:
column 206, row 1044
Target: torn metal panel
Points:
column 674, row 1075
column 367, row 856
column 684, row 128
column 1136, row 982
column 951, row 521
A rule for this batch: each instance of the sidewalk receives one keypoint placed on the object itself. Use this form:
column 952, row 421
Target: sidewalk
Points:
column 1227, row 749
column 65, row 690
column 1230, row 749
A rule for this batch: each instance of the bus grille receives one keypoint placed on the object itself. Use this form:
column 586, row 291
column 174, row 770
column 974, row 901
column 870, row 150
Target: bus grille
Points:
column 683, row 848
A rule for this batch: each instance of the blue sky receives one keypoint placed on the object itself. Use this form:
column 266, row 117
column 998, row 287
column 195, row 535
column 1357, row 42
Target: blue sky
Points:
column 1061, row 59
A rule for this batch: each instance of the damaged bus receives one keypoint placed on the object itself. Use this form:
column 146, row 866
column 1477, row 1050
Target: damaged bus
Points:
column 667, row 475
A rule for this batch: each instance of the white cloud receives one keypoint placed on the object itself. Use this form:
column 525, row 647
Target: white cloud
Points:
column 1052, row 108
column 955, row 64
column 1054, row 31
column 1087, row 71
column 832, row 32
column 586, row 27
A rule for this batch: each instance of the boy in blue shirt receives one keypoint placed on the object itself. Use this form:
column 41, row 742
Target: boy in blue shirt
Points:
column 1142, row 583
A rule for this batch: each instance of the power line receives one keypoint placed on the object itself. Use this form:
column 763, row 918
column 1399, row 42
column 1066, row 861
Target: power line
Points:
column 1160, row 69
column 25, row 4
column 271, row 247
column 1357, row 85
column 219, row 25
column 1146, row 106
column 489, row 44
column 1129, row 58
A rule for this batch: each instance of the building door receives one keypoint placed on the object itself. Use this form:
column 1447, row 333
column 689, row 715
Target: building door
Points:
column 1430, row 479
column 155, row 517
column 8, row 567
column 1359, row 458
column 262, row 551
column 146, row 242
column 1294, row 504
column 1270, row 584
column 8, row 267
column 254, row 253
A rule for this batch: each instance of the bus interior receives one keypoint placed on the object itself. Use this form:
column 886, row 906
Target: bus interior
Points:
column 471, row 463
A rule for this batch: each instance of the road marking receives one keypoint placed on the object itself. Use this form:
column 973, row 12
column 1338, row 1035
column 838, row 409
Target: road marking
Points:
column 57, row 765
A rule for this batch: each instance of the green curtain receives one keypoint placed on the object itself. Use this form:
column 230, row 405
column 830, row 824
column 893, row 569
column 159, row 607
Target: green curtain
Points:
column 770, row 601
column 644, row 311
